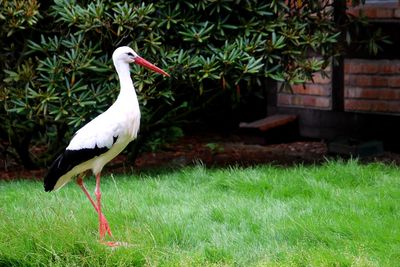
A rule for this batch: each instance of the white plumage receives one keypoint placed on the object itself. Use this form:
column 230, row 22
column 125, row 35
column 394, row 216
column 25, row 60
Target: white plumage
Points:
column 121, row 121
column 103, row 138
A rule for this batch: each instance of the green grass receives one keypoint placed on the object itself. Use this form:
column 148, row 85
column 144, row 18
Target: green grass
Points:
column 337, row 214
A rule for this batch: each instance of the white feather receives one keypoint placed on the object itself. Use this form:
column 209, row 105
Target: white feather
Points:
column 121, row 120
column 100, row 132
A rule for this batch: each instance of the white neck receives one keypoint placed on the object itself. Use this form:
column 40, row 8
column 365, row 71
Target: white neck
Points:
column 124, row 77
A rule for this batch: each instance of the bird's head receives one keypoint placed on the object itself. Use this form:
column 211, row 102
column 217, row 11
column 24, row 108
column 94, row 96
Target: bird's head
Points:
column 127, row 55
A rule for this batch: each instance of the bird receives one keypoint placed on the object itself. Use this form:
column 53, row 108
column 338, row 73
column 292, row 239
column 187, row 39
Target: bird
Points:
column 103, row 138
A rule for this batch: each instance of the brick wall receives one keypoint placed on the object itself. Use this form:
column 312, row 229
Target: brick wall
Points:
column 310, row 95
column 380, row 11
column 370, row 86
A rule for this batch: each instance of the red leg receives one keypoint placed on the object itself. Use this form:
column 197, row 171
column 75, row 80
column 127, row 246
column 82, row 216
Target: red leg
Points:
column 101, row 215
column 103, row 225
column 97, row 192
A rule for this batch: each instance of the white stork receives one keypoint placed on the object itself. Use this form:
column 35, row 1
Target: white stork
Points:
column 103, row 138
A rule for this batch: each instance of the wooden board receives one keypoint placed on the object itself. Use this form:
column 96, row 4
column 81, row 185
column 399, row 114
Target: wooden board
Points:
column 269, row 122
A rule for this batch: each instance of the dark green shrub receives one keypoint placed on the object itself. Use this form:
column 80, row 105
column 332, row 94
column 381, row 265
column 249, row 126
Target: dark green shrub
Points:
column 59, row 74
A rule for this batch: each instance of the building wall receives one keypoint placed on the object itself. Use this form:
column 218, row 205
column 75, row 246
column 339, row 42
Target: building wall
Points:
column 371, row 96
column 370, row 85
column 380, row 10
column 315, row 95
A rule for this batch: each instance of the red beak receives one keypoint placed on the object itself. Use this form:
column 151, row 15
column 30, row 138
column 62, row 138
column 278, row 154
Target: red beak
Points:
column 141, row 61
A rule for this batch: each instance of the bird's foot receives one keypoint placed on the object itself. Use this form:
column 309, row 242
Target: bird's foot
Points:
column 105, row 228
column 114, row 244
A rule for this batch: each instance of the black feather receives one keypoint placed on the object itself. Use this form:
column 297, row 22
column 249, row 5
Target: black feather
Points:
column 68, row 160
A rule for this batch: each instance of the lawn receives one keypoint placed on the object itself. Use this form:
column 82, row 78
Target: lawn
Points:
column 340, row 213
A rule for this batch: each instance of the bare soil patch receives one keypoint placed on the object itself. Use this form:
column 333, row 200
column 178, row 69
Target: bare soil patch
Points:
column 210, row 150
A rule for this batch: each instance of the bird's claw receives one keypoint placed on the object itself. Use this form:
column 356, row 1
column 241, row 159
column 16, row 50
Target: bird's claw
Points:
column 105, row 228
column 114, row 244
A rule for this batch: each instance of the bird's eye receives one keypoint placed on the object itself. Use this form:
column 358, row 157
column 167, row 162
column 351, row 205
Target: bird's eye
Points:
column 130, row 54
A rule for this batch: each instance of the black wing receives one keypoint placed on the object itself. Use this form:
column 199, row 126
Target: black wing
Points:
column 68, row 160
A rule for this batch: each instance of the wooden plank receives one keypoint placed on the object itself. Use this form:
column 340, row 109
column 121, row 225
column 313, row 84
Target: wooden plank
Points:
column 269, row 122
